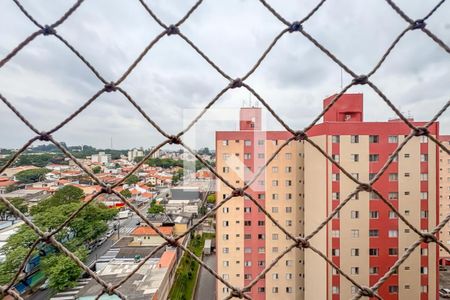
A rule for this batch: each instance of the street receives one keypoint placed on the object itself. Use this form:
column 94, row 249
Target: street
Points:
column 206, row 283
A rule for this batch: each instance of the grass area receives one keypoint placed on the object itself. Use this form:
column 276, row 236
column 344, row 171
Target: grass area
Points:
column 183, row 288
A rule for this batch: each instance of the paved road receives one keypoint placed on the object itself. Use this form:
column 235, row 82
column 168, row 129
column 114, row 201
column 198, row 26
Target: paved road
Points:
column 206, row 286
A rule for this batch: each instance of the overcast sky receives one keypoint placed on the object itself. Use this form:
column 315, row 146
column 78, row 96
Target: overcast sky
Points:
column 47, row 82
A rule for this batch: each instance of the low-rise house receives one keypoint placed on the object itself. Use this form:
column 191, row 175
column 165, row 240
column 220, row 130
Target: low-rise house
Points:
column 147, row 236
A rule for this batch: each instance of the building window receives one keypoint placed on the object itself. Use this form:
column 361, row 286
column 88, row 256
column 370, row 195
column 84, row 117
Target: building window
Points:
column 335, row 139
column 226, row 263
column 288, row 169
column 247, row 143
column 354, row 139
column 393, row 139
column 423, row 157
column 354, row 214
column 335, row 195
column 423, row 195
column 423, row 270
column 247, row 223
column 393, row 251
column 374, row 214
column 225, row 250
column 373, row 139
column 393, row 177
column 335, row 252
column 373, row 233
column 247, row 263
column 288, row 156
column 260, row 142
column 355, row 233
column 288, row 209
column 288, row 196
column 374, row 157
column 335, row 290
column 247, row 155
column 289, row 276
column 335, row 157
column 274, row 196
column 424, row 251
column 354, row 157
column 275, row 290
column 373, row 251
column 424, row 289
column 354, row 270
column 423, row 139
column 288, row 183
column 225, row 237
column 289, row 290
column 225, row 223
column 226, row 169
column 274, row 182
column 261, row 290
column 275, row 249
column 261, row 196
column 354, row 252
column 392, row 233
column 373, row 270
column 248, row 276
column 335, row 176
column 225, row 210
column 260, row 155
column 289, row 263
column 423, row 176
column 335, row 233
column 393, row 196
column 275, row 209
column 392, row 215
column 274, row 169
column 374, row 196
column 247, row 209
column 225, row 142
column 274, row 236
column 424, row 214
column 247, row 250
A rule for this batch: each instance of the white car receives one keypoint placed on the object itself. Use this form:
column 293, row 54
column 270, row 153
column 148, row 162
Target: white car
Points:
column 444, row 293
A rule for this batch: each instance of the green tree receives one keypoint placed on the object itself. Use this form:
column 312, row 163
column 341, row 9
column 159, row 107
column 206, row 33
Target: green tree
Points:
column 11, row 188
column 155, row 208
column 88, row 225
column 126, row 193
column 211, row 198
column 96, row 169
column 30, row 176
column 19, row 203
column 133, row 179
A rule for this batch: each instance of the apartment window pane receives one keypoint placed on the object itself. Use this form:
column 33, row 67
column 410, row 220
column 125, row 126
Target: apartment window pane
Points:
column 335, row 139
column 423, row 157
column 247, row 143
column 354, row 252
column 355, row 233
column 393, row 233
column 354, row 139
column 335, row 157
column 374, row 157
column 354, row 157
column 373, row 138
column 393, row 177
column 393, row 139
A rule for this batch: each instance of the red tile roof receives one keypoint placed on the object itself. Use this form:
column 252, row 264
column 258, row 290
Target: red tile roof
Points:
column 147, row 230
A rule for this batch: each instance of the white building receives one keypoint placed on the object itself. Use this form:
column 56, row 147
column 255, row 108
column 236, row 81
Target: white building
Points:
column 133, row 153
column 101, row 157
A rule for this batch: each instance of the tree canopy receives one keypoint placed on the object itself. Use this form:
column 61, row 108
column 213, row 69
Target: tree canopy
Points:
column 133, row 179
column 32, row 175
column 155, row 208
column 88, row 225
column 19, row 203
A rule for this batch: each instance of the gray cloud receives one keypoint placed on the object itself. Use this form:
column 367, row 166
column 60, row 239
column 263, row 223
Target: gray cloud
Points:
column 172, row 83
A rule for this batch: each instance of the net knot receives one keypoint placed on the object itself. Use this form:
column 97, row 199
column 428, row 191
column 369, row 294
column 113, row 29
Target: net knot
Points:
column 109, row 289
column 237, row 294
column 428, row 238
column 360, row 79
column 418, row 24
column 110, row 87
column 45, row 136
column 366, row 292
column 173, row 139
column 300, row 135
column 173, row 242
column 48, row 30
column 46, row 237
column 172, row 29
column 419, row 131
column 235, row 83
column 295, row 26
column 107, row 189
column 238, row 192
column 365, row 187
column 302, row 242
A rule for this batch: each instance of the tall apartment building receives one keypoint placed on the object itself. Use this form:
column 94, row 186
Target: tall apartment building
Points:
column 246, row 239
column 444, row 197
column 301, row 187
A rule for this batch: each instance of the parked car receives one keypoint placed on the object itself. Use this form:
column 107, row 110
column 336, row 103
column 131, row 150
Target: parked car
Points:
column 444, row 293
column 44, row 286
column 109, row 233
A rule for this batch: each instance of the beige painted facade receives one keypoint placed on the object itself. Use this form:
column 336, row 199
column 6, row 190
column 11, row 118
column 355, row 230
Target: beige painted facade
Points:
column 444, row 194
